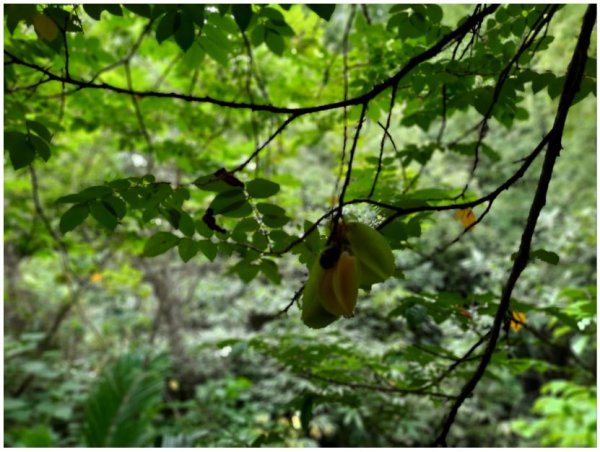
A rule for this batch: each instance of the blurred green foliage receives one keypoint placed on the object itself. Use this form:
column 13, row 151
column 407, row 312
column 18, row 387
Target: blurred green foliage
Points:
column 134, row 317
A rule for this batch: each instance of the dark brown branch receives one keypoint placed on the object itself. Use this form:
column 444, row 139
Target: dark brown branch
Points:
column 294, row 299
column 351, row 157
column 359, row 100
column 466, row 357
column 572, row 83
column 399, row 211
column 64, row 35
column 441, row 249
column 459, row 41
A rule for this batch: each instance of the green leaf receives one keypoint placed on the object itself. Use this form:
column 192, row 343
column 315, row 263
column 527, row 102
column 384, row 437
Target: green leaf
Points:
column 160, row 243
column 60, row 17
column 139, row 9
column 228, row 200
column 120, row 408
column 116, row 205
column 16, row 13
column 555, row 87
column 546, row 256
column 194, row 12
column 540, row 81
column 247, row 225
column 203, row 229
column 186, row 224
column 490, row 153
column 41, row 147
column 166, row 27
column 20, row 150
column 187, row 249
column 271, row 13
column 246, row 271
column 258, row 35
column 103, row 215
column 413, row 228
column 242, row 13
column 259, row 240
column 324, row 11
column 173, row 216
column 269, row 269
column 434, row 12
column 396, row 231
column 40, row 129
column 274, row 42
column 184, row 35
column 94, row 10
column 69, row 199
column 112, row 8
column 88, row 194
column 261, row 188
column 273, row 216
column 212, row 183
column 73, row 218
column 94, row 192
column 38, row 436
column 208, row 248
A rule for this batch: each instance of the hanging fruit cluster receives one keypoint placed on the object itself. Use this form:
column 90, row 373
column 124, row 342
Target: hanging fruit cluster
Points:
column 358, row 257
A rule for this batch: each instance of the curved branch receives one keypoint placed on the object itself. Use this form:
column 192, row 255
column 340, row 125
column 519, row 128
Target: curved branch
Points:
column 458, row 33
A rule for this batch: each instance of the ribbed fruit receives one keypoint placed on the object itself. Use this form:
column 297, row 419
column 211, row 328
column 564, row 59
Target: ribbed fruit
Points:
column 373, row 253
column 345, row 285
column 313, row 313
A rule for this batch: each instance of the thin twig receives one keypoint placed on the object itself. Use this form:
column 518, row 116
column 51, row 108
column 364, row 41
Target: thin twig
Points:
column 340, row 206
column 379, row 388
column 140, row 119
column 549, row 343
column 544, row 19
column 265, row 144
column 345, row 109
column 383, row 137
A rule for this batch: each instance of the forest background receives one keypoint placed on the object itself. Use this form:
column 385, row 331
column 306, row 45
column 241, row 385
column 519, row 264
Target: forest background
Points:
column 170, row 172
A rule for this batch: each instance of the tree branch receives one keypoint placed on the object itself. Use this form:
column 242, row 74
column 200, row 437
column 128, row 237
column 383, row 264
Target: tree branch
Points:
column 572, row 83
column 458, row 33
